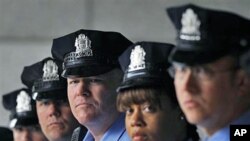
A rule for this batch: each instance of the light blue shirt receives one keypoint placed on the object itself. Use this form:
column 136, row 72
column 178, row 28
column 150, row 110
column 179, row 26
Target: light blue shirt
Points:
column 117, row 132
column 224, row 133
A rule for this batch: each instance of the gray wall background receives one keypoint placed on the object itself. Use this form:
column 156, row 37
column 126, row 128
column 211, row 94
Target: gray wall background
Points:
column 27, row 27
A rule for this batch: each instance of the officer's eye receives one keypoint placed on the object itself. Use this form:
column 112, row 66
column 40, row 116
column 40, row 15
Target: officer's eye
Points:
column 94, row 81
column 149, row 108
column 44, row 103
column 202, row 70
column 129, row 111
column 18, row 129
column 62, row 102
column 35, row 128
column 180, row 68
column 198, row 69
column 73, row 82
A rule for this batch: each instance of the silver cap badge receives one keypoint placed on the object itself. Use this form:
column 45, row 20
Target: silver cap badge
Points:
column 23, row 102
column 137, row 59
column 83, row 46
column 190, row 26
column 50, row 71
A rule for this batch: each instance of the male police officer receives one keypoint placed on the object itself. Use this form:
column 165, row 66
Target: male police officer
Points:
column 92, row 71
column 212, row 88
column 23, row 118
column 50, row 93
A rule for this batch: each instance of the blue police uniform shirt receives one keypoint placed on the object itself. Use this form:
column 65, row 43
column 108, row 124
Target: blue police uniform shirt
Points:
column 224, row 133
column 117, row 132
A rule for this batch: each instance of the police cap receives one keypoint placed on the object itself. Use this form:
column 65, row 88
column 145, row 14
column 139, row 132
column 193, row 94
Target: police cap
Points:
column 145, row 65
column 44, row 78
column 89, row 52
column 204, row 35
column 22, row 108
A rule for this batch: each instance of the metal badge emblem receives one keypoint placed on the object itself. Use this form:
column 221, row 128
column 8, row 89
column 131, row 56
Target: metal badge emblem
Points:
column 23, row 102
column 50, row 71
column 190, row 26
column 137, row 59
column 83, row 46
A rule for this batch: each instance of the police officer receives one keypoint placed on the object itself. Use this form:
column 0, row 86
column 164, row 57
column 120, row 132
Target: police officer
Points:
column 23, row 118
column 147, row 95
column 212, row 88
column 50, row 92
column 92, row 71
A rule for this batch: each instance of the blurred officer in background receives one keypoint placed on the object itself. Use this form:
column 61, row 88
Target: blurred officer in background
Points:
column 23, row 118
column 212, row 88
column 93, row 74
column 6, row 134
column 147, row 95
column 50, row 92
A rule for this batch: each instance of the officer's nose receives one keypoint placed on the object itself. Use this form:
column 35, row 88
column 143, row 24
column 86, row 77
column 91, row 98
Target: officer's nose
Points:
column 187, row 83
column 53, row 109
column 83, row 89
column 137, row 119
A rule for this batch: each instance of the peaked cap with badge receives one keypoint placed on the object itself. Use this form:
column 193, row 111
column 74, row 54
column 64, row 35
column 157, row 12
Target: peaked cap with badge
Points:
column 89, row 52
column 44, row 78
column 145, row 65
column 204, row 35
column 21, row 106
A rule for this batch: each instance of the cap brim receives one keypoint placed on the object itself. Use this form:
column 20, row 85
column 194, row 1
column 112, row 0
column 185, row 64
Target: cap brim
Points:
column 195, row 57
column 45, row 86
column 86, row 71
column 25, row 122
column 141, row 82
column 53, row 94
